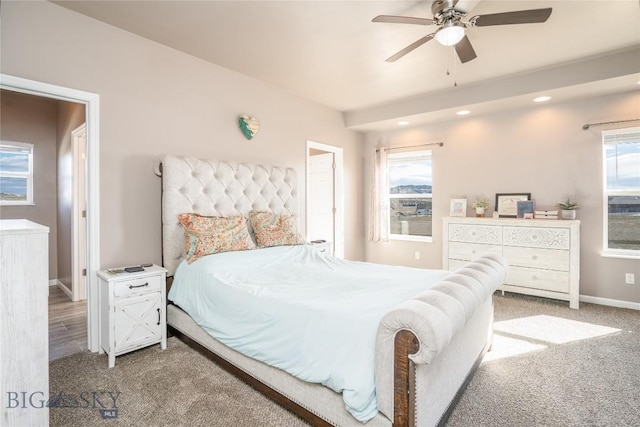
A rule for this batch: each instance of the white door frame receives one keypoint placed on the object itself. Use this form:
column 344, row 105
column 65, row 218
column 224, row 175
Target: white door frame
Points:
column 92, row 104
column 338, row 184
column 79, row 231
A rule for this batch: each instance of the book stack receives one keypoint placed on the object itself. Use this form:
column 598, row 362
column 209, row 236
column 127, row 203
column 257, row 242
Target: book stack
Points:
column 546, row 214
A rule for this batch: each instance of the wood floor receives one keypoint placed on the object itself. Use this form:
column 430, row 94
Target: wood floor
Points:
column 67, row 324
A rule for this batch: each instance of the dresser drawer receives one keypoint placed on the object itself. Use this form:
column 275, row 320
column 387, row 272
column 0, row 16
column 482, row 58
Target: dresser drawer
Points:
column 137, row 286
column 550, row 259
column 489, row 234
column 548, row 280
column 538, row 237
column 469, row 251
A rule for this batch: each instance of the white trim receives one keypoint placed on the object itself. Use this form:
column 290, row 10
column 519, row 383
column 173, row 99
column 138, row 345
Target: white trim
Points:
column 92, row 103
column 338, row 246
column 54, row 282
column 65, row 290
column 79, row 174
column 610, row 302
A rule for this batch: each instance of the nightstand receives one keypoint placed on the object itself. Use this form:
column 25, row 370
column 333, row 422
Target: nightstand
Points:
column 322, row 246
column 132, row 310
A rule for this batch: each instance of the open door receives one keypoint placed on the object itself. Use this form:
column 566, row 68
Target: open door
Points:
column 79, row 239
column 324, row 209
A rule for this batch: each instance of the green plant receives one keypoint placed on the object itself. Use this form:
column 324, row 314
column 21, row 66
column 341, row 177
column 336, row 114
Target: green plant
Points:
column 568, row 205
column 480, row 203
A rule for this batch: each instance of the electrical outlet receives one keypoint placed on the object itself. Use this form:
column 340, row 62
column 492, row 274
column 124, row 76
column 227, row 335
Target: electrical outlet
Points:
column 417, row 255
column 630, row 279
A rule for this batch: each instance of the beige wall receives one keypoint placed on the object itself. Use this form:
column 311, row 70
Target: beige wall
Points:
column 30, row 119
column 154, row 101
column 70, row 116
column 542, row 150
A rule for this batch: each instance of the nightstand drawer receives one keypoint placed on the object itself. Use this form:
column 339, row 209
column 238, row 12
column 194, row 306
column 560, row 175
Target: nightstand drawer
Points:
column 137, row 286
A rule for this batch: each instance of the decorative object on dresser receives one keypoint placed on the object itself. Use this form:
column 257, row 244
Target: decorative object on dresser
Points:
column 526, row 208
column 24, row 322
column 480, row 205
column 132, row 309
column 568, row 209
column 543, row 256
column 507, row 203
column 546, row 214
column 458, row 207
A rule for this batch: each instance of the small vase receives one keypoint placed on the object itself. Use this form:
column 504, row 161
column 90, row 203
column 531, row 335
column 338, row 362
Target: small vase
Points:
column 568, row 214
column 480, row 212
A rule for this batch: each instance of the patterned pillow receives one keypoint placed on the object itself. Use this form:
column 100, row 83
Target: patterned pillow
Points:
column 271, row 229
column 205, row 235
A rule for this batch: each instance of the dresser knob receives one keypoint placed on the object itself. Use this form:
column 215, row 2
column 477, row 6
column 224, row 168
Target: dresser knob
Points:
column 535, row 257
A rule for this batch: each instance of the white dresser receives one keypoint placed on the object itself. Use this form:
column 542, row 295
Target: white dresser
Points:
column 24, row 323
column 543, row 255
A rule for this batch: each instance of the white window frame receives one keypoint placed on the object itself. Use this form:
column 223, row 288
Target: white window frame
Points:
column 21, row 147
column 409, row 155
column 610, row 136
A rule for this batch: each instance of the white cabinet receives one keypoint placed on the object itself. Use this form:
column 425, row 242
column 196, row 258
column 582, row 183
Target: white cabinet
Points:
column 543, row 255
column 132, row 310
column 24, row 323
column 323, row 246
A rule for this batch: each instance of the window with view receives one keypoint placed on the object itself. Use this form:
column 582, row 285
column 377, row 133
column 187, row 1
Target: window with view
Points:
column 16, row 173
column 410, row 195
column 621, row 152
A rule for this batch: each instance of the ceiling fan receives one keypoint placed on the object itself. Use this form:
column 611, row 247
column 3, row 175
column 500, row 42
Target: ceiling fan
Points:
column 452, row 26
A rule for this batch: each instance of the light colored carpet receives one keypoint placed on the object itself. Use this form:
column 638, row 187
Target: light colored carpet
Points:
column 549, row 366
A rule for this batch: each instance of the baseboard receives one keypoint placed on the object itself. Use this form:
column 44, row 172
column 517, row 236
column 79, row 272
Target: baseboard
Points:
column 62, row 287
column 610, row 302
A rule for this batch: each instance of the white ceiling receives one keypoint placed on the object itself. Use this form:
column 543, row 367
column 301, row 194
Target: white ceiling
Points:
column 330, row 51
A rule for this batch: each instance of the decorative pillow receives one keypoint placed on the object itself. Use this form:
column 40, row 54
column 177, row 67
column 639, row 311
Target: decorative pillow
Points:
column 205, row 235
column 272, row 229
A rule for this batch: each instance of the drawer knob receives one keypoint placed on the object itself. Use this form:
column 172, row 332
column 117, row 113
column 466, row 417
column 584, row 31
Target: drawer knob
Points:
column 139, row 286
column 158, row 316
column 535, row 257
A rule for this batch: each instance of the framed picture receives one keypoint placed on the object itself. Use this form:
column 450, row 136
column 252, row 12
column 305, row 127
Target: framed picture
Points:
column 458, row 207
column 525, row 209
column 507, row 203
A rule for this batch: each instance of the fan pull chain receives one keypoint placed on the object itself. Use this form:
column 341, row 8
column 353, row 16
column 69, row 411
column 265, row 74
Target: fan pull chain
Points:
column 453, row 62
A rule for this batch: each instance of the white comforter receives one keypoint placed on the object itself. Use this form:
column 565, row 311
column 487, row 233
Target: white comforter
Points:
column 312, row 315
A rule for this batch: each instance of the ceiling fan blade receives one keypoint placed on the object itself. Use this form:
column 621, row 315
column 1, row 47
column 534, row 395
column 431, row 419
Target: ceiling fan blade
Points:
column 402, row 20
column 508, row 18
column 409, row 48
column 465, row 50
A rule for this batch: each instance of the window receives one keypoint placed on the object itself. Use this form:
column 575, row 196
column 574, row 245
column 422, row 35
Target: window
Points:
column 410, row 195
column 16, row 173
column 621, row 153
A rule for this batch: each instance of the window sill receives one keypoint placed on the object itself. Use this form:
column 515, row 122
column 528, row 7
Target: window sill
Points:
column 609, row 254
column 400, row 237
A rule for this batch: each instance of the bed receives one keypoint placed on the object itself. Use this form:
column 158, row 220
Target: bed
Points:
column 420, row 350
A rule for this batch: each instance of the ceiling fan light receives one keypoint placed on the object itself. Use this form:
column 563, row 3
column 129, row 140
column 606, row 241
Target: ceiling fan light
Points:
column 450, row 34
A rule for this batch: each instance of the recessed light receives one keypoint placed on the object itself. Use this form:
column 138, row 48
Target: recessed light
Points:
column 403, row 123
column 542, row 99
column 463, row 112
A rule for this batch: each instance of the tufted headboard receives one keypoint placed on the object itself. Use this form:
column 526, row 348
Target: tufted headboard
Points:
column 215, row 188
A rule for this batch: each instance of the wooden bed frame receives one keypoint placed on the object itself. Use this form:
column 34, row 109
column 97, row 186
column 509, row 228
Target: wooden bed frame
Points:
column 179, row 197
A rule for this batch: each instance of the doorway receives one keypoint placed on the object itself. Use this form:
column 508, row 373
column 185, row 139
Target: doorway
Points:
column 92, row 218
column 324, row 195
